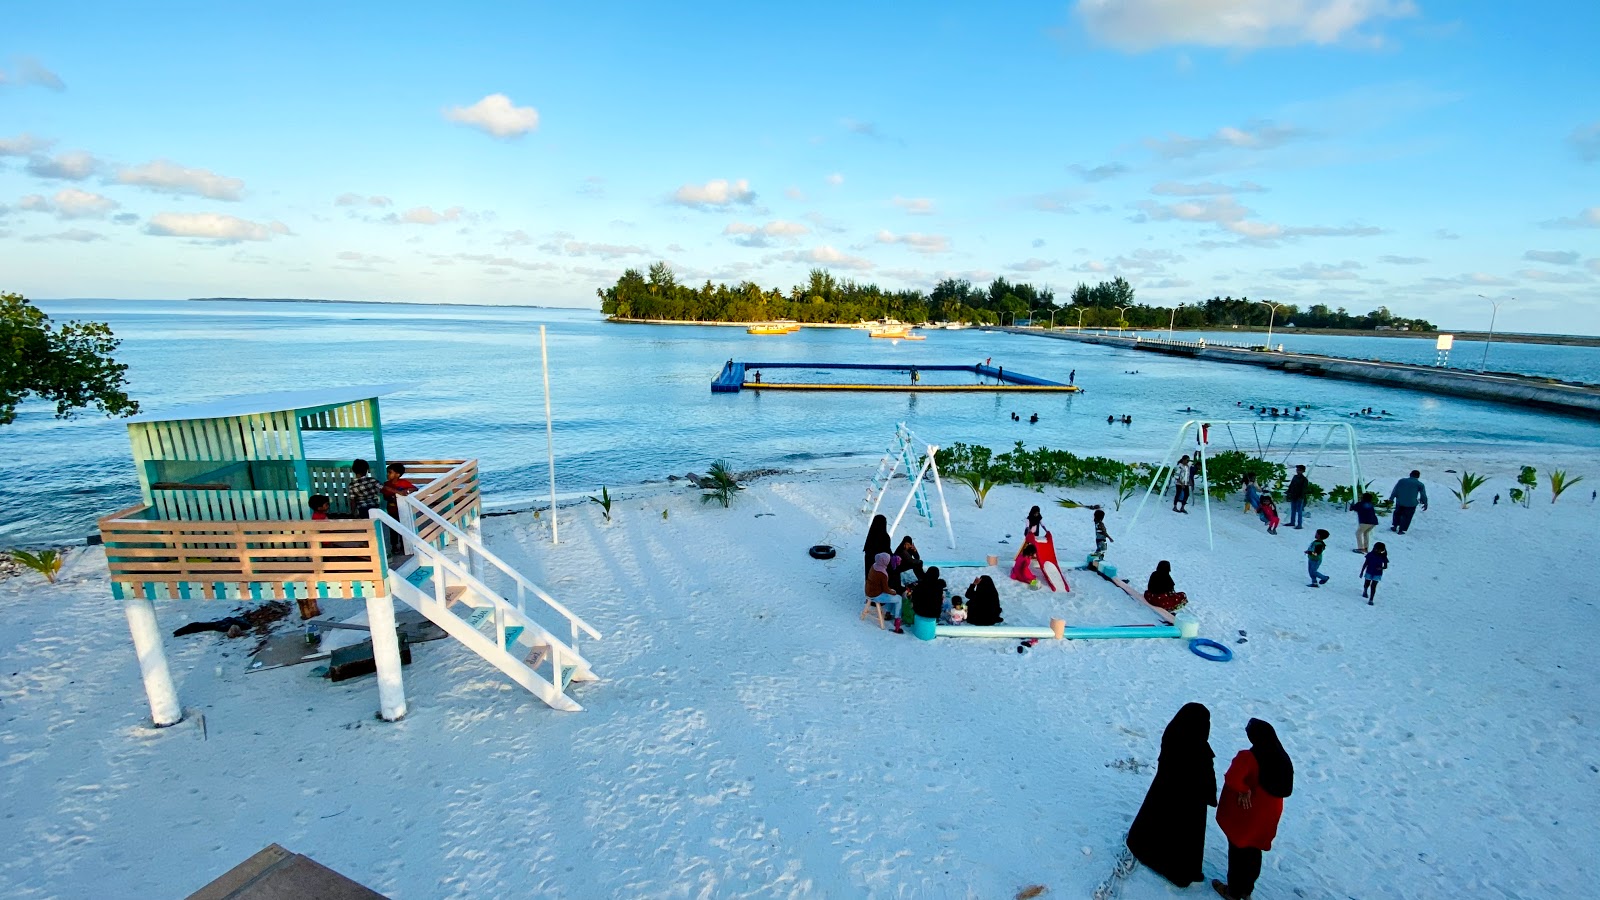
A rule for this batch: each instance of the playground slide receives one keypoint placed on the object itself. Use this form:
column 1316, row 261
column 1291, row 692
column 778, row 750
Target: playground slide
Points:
column 1047, row 561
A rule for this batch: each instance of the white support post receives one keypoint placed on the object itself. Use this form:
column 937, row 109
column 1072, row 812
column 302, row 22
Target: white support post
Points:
column 1205, row 438
column 1158, row 473
column 939, row 486
column 386, row 656
column 475, row 560
column 911, row 495
column 549, row 436
column 164, row 708
column 888, row 479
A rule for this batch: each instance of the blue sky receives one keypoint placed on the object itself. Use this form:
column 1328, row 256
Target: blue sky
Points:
column 1408, row 153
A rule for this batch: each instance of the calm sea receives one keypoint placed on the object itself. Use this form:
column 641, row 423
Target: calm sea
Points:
column 632, row 403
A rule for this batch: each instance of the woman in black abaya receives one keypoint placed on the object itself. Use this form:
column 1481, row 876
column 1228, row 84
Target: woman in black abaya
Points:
column 1169, row 833
column 877, row 541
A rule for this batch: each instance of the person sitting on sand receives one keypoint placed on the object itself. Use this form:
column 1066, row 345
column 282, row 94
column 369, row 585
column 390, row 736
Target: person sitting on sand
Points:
column 1160, row 590
column 1022, row 569
column 905, row 559
column 1269, row 513
column 878, row 588
column 927, row 595
column 983, row 602
column 958, row 611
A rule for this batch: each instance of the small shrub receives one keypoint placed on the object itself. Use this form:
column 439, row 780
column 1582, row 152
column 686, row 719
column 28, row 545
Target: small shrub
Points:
column 719, row 485
column 45, row 562
column 1529, row 479
column 1126, row 486
column 1559, row 482
column 1518, row 495
column 1342, row 494
column 604, row 500
column 1469, row 483
column 980, row 482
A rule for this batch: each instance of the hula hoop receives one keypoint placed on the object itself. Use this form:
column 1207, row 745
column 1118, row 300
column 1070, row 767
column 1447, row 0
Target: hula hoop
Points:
column 822, row 551
column 1199, row 646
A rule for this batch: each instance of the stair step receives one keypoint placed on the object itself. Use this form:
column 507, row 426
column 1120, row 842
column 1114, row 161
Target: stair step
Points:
column 453, row 593
column 419, row 575
column 512, row 633
column 479, row 615
column 566, row 676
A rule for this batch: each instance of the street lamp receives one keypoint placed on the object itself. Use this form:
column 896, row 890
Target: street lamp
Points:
column 1496, row 304
column 1120, row 310
column 1270, row 317
column 1080, row 320
column 1172, row 319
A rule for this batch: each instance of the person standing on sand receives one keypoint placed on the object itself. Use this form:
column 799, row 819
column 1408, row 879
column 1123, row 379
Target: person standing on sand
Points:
column 1253, row 791
column 1169, row 833
column 1102, row 537
column 1296, row 495
column 1314, row 557
column 1366, row 510
column 1182, row 478
column 877, row 540
column 1372, row 571
column 1407, row 494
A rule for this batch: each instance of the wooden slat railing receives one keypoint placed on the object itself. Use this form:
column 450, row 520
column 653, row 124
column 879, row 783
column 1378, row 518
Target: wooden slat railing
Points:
column 278, row 559
column 450, row 489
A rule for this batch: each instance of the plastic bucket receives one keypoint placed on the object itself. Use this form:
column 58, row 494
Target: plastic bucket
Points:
column 924, row 627
column 1188, row 625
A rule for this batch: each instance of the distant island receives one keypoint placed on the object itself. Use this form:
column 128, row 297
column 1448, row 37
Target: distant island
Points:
column 372, row 302
column 824, row 299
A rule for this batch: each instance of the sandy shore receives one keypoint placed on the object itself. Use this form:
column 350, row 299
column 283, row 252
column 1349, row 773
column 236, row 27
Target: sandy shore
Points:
column 752, row 737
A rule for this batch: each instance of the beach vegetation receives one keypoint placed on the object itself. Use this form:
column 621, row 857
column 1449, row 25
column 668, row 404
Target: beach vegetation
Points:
column 980, row 482
column 824, row 298
column 1467, row 483
column 1529, row 479
column 719, row 484
column 1559, row 482
column 1126, row 485
column 1518, row 495
column 1225, row 472
column 604, row 499
column 45, row 562
column 71, row 364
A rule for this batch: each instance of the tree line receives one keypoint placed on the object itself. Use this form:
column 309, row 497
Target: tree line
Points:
column 823, row 298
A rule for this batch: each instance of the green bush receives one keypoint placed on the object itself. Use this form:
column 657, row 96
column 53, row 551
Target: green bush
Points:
column 1225, row 473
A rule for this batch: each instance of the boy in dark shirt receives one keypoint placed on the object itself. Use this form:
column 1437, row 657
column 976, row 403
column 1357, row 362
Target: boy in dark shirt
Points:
column 365, row 492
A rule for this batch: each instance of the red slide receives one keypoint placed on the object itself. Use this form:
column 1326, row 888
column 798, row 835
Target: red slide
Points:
column 1045, row 553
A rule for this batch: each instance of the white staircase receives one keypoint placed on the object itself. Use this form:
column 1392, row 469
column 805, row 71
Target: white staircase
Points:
column 445, row 590
column 900, row 453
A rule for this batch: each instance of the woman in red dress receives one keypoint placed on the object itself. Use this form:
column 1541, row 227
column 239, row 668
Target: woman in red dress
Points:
column 1250, row 806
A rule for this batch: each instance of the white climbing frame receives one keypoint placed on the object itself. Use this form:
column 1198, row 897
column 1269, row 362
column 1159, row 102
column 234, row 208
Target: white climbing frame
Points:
column 1202, row 439
column 904, row 441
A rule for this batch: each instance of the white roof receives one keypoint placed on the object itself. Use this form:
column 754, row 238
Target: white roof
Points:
column 272, row 401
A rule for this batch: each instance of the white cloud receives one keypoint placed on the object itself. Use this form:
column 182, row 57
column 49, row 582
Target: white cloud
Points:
column 1256, row 135
column 1345, row 271
column 1402, row 260
column 76, row 235
column 586, row 248
column 828, row 256
column 31, row 71
column 922, row 243
column 22, row 145
column 71, row 203
column 365, row 259
column 1139, row 25
column 1588, row 218
column 506, row 262
column 1553, row 257
column 794, row 193
column 716, row 192
column 1054, row 201
column 1228, row 214
column 167, row 177
column 1555, row 277
column 917, row 206
column 1593, row 265
column 216, row 227
column 34, row 203
column 1445, row 234
column 1098, row 173
column 425, row 215
column 348, row 199
column 1205, row 188
column 496, row 115
column 1032, row 264
column 74, row 166
column 835, row 179
column 1585, row 141
column 762, row 235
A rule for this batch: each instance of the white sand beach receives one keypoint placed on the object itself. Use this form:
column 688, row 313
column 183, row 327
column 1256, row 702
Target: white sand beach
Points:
column 751, row 737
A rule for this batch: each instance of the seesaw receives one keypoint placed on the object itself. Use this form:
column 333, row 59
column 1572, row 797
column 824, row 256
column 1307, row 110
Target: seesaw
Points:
column 1109, row 573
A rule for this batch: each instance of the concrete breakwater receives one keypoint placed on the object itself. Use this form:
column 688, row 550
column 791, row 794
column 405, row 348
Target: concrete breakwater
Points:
column 1520, row 390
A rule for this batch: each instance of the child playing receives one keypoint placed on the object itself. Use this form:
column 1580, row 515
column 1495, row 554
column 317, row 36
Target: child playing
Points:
column 958, row 611
column 396, row 486
column 1372, row 571
column 1022, row 569
column 319, row 507
column 1252, row 494
column 1101, row 537
column 1182, row 480
column 1269, row 513
column 1314, row 558
column 365, row 492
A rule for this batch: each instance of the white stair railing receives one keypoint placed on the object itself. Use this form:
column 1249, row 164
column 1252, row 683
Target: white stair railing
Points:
column 411, row 509
column 449, row 571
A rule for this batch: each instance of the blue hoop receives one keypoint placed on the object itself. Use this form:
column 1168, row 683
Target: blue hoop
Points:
column 1199, row 646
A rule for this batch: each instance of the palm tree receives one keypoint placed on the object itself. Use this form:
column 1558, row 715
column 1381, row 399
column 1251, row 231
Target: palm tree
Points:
column 719, row 484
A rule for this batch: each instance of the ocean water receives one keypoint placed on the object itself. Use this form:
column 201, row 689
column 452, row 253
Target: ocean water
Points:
column 632, row 403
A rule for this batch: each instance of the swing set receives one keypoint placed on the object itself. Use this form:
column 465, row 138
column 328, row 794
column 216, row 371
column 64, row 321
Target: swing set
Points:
column 1202, row 439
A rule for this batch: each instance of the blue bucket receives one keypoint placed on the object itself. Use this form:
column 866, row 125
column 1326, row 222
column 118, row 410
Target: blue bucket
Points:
column 924, row 627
